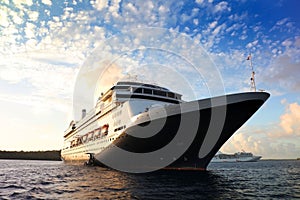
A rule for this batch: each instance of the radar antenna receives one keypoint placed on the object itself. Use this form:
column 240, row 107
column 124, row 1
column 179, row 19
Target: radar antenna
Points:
column 253, row 86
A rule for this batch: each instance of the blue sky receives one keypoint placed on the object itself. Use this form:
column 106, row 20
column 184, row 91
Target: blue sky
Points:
column 44, row 43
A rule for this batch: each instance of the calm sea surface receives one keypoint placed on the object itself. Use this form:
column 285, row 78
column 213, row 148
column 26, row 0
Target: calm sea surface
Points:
column 21, row 179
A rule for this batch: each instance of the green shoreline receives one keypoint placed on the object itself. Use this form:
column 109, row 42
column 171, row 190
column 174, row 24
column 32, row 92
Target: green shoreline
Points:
column 31, row 155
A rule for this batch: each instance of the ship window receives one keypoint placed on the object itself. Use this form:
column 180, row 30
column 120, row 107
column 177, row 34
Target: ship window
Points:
column 138, row 90
column 171, row 95
column 159, row 93
column 122, row 87
column 147, row 91
column 148, row 85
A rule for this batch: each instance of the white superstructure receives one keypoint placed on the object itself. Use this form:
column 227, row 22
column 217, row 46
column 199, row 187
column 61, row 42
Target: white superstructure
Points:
column 115, row 110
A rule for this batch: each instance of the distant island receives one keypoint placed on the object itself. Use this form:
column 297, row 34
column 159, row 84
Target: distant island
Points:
column 31, row 155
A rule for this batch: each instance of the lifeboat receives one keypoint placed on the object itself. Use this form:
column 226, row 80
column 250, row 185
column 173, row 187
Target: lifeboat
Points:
column 90, row 136
column 97, row 133
column 104, row 129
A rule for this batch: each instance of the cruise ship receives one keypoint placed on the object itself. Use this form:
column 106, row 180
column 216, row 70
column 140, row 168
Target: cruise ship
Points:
column 140, row 127
column 236, row 157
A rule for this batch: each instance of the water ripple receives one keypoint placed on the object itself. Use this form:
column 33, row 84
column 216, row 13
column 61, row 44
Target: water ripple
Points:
column 56, row 180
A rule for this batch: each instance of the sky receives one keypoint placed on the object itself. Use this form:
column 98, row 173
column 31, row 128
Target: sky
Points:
column 49, row 51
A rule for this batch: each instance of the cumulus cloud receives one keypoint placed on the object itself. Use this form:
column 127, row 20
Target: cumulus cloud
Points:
column 213, row 24
column 47, row 2
column 289, row 121
column 100, row 4
column 222, row 6
column 252, row 44
column 22, row 2
column 33, row 15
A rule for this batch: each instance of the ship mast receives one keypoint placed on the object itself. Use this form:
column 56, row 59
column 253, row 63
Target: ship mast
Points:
column 253, row 86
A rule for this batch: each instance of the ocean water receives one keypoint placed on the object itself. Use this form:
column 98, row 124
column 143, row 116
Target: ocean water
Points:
column 22, row 179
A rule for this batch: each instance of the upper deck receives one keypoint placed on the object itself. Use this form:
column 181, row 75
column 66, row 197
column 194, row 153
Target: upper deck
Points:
column 125, row 90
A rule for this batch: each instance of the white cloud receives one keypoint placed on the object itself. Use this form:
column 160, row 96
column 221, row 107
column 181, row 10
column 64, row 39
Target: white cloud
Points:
column 131, row 8
column 196, row 22
column 185, row 17
column 238, row 18
column 142, row 14
column 163, row 9
column 100, row 4
column 33, row 15
column 20, row 3
column 287, row 43
column 218, row 29
column 236, row 27
column 114, row 8
column 282, row 21
column 213, row 34
column 289, row 121
column 213, row 24
column 17, row 17
column 30, row 30
column 252, row 44
column 222, row 6
column 47, row 2
column 199, row 1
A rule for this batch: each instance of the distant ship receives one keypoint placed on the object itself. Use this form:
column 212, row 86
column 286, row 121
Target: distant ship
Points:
column 119, row 115
column 236, row 157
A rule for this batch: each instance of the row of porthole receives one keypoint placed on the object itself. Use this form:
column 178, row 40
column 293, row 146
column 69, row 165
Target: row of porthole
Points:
column 102, row 148
column 110, row 139
column 120, row 128
column 93, row 139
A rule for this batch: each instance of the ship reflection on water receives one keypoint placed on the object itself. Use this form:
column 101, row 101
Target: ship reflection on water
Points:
column 164, row 184
column 181, row 185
